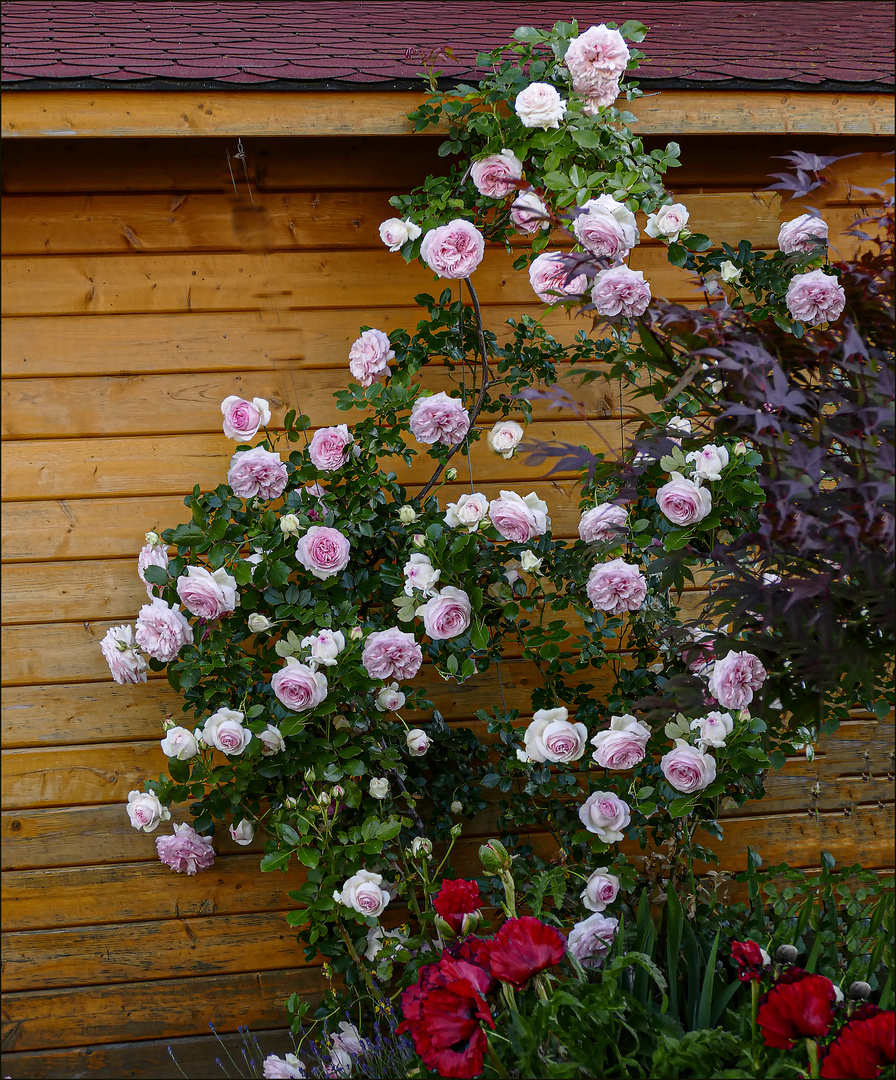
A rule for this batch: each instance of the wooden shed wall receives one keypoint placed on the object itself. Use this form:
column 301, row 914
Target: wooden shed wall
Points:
column 131, row 306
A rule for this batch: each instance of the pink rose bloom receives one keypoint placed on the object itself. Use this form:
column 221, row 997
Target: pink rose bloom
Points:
column 395, row 233
column 257, row 472
column 453, row 250
column 224, row 731
column 590, row 940
column 418, row 742
column 815, row 297
column 186, row 851
column 623, row 745
column 278, row 1068
column 439, row 418
column 700, row 655
column 606, row 227
column 517, row 518
column 369, row 356
column 529, row 214
column 603, row 524
column 179, row 743
column 734, row 679
column 548, row 274
column 713, row 729
column 551, row 736
column 447, row 614
column 151, row 555
column 329, row 447
column 600, row 889
column 366, row 893
column 668, row 223
column 616, row 586
column 242, row 419
column 323, row 551
column 298, row 686
column 620, row 291
column 598, row 56
column 126, row 663
column 687, row 769
column 467, row 512
column 604, row 94
column 605, row 814
column 162, row 631
column 145, row 811
column 391, row 654
column 803, row 234
column 494, row 176
column 207, row 595
column 540, row 105
column 683, row 502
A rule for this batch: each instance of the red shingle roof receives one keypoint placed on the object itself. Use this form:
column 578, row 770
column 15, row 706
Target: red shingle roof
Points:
column 338, row 43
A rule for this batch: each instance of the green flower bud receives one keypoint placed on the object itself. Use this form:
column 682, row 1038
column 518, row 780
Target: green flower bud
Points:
column 494, row 857
column 444, row 929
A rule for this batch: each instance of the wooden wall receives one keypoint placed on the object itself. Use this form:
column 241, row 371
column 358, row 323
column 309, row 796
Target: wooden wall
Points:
column 133, row 302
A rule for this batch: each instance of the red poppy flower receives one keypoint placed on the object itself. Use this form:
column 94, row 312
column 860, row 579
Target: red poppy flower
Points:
column 749, row 958
column 862, row 1049
column 797, row 1010
column 456, row 899
column 454, row 1042
column 523, row 947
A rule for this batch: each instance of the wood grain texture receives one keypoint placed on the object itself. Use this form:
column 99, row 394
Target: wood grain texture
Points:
column 152, row 1009
column 128, row 113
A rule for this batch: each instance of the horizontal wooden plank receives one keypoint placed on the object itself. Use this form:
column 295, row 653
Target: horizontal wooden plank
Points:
column 245, row 281
column 85, row 896
column 172, row 464
column 286, row 341
column 128, row 114
column 148, row 1060
column 104, row 224
column 153, row 1009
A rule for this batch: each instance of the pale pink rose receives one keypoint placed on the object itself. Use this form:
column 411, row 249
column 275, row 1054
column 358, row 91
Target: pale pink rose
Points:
column 179, row 743
column 699, row 656
column 517, row 518
column 590, row 940
column 243, row 833
column 347, row 1044
column 242, row 419
column 494, row 175
column 395, row 233
column 529, row 213
column 420, row 575
column 714, row 728
column 325, row 645
column 734, row 679
column 600, row 889
column 540, row 105
column 418, row 742
column 467, row 512
column 186, row 851
column 323, row 551
column 224, row 731
column 607, row 206
column 595, row 57
column 447, row 614
column 272, row 742
column 551, row 736
column 668, row 223
column 815, row 297
column 391, row 654
column 620, row 291
column 151, row 555
column 709, row 461
column 329, row 447
column 603, row 524
column 126, row 662
column 145, row 811
column 390, row 699
column 366, row 893
column 548, row 277
column 369, row 356
column 682, row 501
column 278, row 1068
column 207, row 595
column 616, row 586
column 453, row 250
column 298, row 686
column 623, row 745
column 601, row 234
column 604, row 94
column 439, row 418
column 804, row 234
column 162, row 631
column 605, row 814
column 257, row 472
column 687, row 769
column 504, row 437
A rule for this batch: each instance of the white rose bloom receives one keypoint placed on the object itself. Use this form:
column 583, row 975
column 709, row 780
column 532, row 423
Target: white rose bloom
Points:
column 390, row 698
column 395, row 233
column 325, row 646
column 224, row 731
column 407, row 515
column 713, row 729
column 530, row 562
column 258, row 623
column 540, row 105
column 290, row 525
column 418, row 742
column 366, row 893
column 551, row 736
column 243, row 833
column 145, row 811
column 179, row 743
column 379, row 787
column 420, row 576
column 505, row 437
column 709, row 462
column 420, row 845
column 730, row 273
column 467, row 512
column 272, row 742
column 668, row 222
